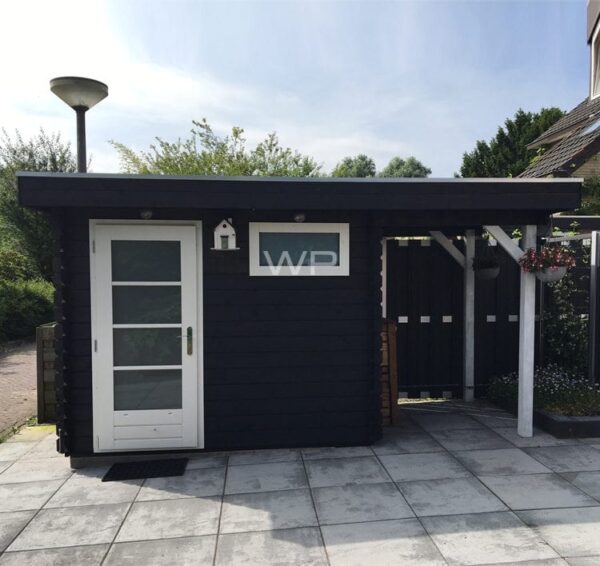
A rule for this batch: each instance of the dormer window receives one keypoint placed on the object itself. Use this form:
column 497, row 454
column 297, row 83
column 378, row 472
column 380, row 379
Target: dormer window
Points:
column 595, row 78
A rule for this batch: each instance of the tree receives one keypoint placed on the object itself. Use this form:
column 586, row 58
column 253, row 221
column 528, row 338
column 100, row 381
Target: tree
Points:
column 506, row 155
column 29, row 231
column 409, row 167
column 359, row 166
column 206, row 153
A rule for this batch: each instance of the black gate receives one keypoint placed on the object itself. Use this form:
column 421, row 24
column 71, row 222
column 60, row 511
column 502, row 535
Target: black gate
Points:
column 424, row 295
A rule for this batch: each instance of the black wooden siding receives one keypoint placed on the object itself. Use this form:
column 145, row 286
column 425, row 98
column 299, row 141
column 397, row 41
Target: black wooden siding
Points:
column 288, row 361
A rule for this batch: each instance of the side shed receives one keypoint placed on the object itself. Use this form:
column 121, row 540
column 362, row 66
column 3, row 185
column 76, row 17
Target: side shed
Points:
column 226, row 313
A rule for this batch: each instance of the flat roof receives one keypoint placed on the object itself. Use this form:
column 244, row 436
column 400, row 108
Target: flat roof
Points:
column 68, row 190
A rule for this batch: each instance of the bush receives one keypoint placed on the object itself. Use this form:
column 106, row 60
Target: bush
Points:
column 556, row 390
column 15, row 266
column 24, row 305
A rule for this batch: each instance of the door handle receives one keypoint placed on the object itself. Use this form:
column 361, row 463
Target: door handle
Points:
column 190, row 340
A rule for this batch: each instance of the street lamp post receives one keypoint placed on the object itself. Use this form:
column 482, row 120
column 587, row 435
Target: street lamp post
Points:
column 80, row 94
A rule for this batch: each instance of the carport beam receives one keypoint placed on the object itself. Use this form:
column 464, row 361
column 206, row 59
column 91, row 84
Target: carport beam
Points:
column 526, row 325
column 526, row 341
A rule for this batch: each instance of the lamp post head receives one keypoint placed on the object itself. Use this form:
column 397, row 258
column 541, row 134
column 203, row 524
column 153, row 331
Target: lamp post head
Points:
column 79, row 92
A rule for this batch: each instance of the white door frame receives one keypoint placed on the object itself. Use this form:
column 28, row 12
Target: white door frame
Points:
column 98, row 415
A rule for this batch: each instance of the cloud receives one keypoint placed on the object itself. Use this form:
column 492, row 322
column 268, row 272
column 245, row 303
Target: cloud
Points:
column 350, row 81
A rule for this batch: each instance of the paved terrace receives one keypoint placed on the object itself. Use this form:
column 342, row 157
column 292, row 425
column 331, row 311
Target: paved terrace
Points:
column 452, row 485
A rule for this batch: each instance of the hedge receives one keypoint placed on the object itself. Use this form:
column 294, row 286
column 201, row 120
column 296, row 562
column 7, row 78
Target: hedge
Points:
column 24, row 305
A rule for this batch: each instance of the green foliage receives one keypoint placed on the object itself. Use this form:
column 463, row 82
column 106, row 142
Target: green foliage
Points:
column 24, row 305
column 556, row 390
column 590, row 197
column 409, row 167
column 15, row 266
column 360, row 166
column 506, row 155
column 29, row 230
column 565, row 332
column 206, row 153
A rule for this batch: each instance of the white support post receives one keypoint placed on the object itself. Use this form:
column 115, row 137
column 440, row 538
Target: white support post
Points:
column 526, row 341
column 469, row 323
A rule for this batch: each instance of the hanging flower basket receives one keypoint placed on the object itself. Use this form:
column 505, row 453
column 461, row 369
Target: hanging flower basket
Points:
column 486, row 268
column 549, row 263
column 550, row 275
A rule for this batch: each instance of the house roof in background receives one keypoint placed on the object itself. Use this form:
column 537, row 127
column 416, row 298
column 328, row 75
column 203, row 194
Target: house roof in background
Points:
column 44, row 190
column 582, row 113
column 582, row 141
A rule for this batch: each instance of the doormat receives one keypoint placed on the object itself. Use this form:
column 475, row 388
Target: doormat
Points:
column 146, row 469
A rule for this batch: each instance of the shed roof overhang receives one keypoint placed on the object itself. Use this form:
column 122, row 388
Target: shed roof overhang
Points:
column 58, row 190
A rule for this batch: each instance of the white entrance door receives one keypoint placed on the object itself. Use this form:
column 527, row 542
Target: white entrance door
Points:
column 144, row 336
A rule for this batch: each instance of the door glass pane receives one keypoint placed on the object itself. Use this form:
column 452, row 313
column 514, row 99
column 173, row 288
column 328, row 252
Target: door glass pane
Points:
column 296, row 248
column 147, row 346
column 151, row 305
column 141, row 260
column 147, row 389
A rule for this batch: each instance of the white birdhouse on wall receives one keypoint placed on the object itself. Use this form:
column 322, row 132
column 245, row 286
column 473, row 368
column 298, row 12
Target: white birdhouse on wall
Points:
column 225, row 236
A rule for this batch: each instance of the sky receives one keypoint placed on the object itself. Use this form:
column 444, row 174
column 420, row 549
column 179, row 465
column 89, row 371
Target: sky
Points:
column 333, row 78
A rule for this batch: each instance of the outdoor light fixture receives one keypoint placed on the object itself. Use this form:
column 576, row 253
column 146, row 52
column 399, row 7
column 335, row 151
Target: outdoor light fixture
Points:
column 146, row 214
column 299, row 217
column 80, row 94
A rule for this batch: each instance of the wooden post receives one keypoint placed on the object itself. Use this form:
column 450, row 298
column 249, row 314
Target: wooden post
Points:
column 526, row 341
column 469, row 315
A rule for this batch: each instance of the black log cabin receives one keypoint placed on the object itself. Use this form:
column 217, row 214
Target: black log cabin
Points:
column 232, row 313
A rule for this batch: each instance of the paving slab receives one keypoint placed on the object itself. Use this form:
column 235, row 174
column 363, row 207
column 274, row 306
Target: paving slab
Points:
column 267, row 510
column 359, row 503
column 216, row 460
column 150, row 520
column 85, row 487
column 73, row 526
column 537, row 491
column 450, row 497
column 586, row 481
column 193, row 483
column 4, row 465
column 344, row 471
column 36, row 470
column 282, row 547
column 33, row 433
column 584, row 561
column 336, row 452
column 539, row 438
column 429, row 466
column 70, row 556
column 576, row 458
column 386, row 542
column 497, row 420
column 500, row 462
column 263, row 456
column 398, row 442
column 485, row 538
column 275, row 476
column 571, row 532
column 185, row 551
column 445, row 421
column 480, row 439
column 11, row 451
column 25, row 496
column 45, row 448
column 11, row 525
